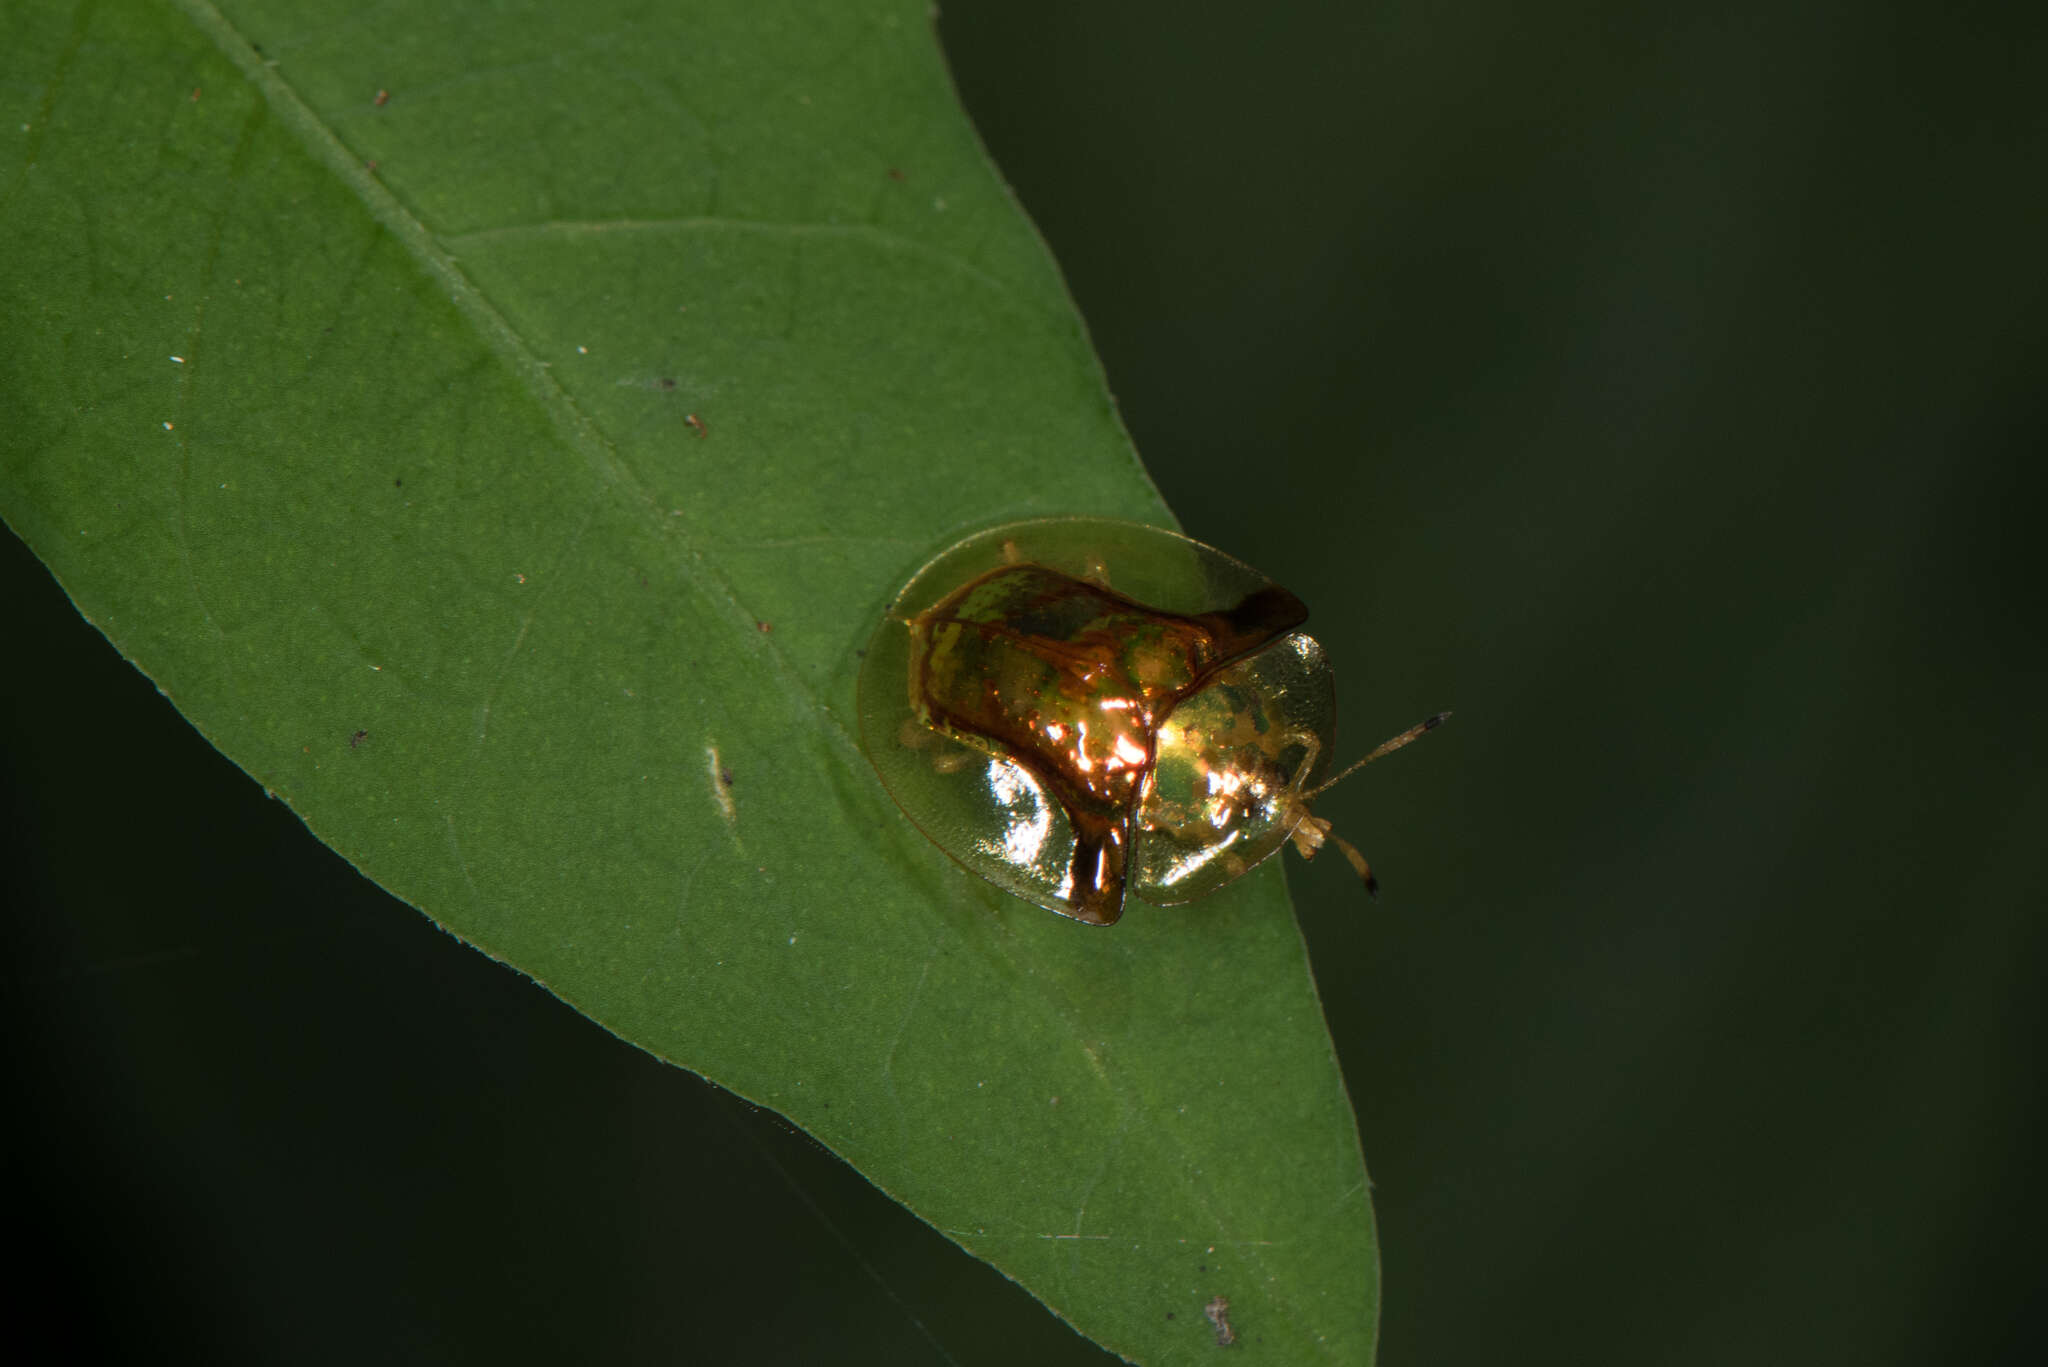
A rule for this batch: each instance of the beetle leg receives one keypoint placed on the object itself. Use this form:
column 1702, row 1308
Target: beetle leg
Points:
column 1308, row 835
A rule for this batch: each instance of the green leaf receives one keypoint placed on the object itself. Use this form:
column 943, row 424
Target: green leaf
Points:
column 492, row 466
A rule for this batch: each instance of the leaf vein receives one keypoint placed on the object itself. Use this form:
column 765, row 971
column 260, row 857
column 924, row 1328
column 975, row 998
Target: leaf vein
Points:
column 881, row 237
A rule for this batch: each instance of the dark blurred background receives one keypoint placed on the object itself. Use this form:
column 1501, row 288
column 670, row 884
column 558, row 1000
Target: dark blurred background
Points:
column 1663, row 390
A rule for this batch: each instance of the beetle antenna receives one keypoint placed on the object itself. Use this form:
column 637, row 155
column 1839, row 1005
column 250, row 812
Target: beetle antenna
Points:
column 1358, row 864
column 1385, row 748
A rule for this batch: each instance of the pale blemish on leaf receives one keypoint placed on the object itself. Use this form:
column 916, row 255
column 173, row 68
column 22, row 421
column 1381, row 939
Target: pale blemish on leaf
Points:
column 721, row 785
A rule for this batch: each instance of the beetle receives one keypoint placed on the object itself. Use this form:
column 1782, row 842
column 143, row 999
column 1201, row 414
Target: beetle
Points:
column 1075, row 708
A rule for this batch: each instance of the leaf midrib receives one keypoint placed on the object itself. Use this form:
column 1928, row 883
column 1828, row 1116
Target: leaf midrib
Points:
column 572, row 424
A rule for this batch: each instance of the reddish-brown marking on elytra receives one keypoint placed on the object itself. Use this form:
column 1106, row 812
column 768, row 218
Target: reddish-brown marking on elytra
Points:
column 1071, row 680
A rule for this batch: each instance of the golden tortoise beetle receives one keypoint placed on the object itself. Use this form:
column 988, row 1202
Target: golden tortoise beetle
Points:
column 1075, row 706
